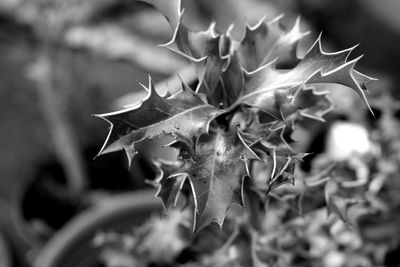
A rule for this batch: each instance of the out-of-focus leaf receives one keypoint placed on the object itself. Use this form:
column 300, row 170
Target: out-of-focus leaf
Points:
column 117, row 258
column 160, row 240
column 116, row 43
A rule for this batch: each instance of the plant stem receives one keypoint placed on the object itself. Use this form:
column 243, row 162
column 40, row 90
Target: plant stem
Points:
column 256, row 213
column 60, row 130
column 255, row 209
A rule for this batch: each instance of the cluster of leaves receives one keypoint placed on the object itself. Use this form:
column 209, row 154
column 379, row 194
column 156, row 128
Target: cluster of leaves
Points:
column 362, row 191
column 250, row 94
column 237, row 124
column 296, row 230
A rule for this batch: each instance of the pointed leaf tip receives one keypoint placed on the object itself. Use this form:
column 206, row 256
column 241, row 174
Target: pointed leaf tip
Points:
column 184, row 115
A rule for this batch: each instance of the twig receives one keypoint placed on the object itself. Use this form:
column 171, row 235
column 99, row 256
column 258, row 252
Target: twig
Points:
column 321, row 177
column 59, row 127
column 230, row 240
column 256, row 211
column 254, row 258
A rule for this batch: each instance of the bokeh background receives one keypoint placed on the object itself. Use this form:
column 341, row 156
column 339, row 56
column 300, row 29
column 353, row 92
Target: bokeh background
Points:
column 63, row 60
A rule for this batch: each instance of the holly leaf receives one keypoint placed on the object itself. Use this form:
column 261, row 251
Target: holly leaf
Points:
column 216, row 173
column 275, row 91
column 169, row 185
column 267, row 41
column 312, row 104
column 232, row 82
column 265, row 49
column 209, row 52
column 170, row 179
column 269, row 135
column 283, row 172
column 183, row 114
column 277, row 164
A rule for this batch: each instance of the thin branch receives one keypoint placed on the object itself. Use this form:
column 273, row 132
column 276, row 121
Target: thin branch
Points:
column 60, row 130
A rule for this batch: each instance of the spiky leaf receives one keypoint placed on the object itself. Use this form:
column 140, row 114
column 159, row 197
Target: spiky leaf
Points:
column 169, row 185
column 279, row 163
column 183, row 114
column 215, row 174
column 275, row 91
column 267, row 41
